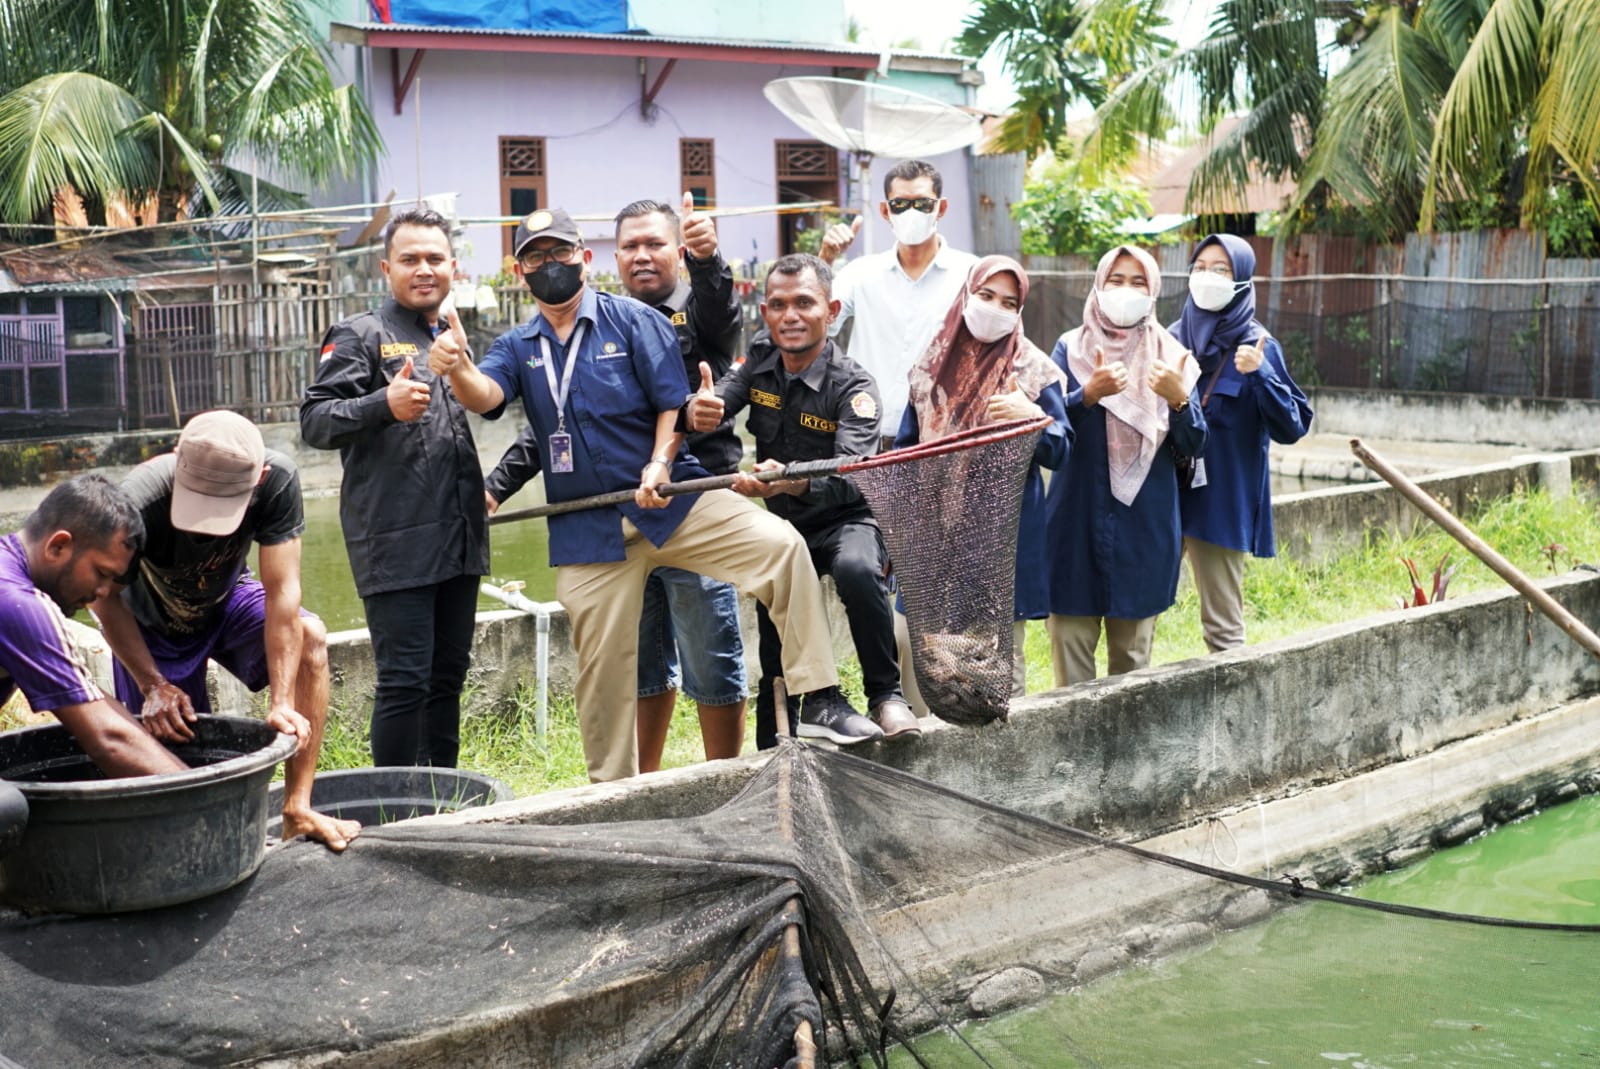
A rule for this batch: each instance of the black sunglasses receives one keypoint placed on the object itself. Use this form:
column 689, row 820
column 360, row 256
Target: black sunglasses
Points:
column 921, row 204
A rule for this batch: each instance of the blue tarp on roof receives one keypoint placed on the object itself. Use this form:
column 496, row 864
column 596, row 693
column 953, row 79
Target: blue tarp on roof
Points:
column 566, row 16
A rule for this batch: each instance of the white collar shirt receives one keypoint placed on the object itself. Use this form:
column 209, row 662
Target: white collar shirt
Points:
column 896, row 317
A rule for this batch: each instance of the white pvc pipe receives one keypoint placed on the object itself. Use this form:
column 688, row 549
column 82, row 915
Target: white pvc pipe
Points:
column 540, row 611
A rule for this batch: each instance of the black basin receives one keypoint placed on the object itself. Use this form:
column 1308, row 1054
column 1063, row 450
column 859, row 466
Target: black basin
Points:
column 98, row 845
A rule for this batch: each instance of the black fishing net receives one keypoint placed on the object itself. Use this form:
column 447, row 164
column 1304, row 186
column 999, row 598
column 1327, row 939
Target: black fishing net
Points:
column 949, row 511
column 663, row 943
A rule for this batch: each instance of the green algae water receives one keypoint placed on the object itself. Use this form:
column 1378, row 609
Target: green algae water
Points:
column 517, row 551
column 1321, row 984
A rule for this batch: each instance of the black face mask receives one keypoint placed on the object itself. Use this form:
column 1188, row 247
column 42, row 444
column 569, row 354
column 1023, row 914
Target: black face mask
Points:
column 554, row 283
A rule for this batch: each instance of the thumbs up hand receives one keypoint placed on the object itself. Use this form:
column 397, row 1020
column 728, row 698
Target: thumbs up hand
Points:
column 449, row 350
column 1248, row 358
column 408, row 399
column 699, row 232
column 1011, row 403
column 838, row 238
column 1167, row 381
column 1108, row 379
column 705, row 407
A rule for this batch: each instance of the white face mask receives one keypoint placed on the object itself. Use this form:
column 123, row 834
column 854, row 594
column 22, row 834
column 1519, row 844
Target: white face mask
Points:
column 1211, row 291
column 988, row 322
column 1124, row 305
column 912, row 227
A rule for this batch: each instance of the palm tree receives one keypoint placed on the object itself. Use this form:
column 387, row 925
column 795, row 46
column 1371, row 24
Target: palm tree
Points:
column 1060, row 53
column 123, row 99
column 1443, row 107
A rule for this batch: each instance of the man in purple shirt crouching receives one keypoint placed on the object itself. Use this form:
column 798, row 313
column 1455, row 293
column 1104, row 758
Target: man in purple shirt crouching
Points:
column 70, row 551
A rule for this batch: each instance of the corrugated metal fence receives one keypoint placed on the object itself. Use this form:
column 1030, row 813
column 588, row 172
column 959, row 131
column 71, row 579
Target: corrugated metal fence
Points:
column 1477, row 312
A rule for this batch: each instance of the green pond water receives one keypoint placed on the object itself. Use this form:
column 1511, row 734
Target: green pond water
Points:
column 517, row 551
column 1330, row 985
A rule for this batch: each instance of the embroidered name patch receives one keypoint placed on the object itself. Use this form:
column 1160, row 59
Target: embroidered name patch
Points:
column 398, row 348
column 765, row 399
column 864, row 406
column 610, row 351
column 817, row 423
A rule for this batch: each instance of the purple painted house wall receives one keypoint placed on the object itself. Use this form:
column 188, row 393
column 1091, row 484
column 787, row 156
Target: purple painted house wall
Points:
column 600, row 152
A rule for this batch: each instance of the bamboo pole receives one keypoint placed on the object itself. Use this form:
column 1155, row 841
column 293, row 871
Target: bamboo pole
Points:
column 805, row 1046
column 1442, row 516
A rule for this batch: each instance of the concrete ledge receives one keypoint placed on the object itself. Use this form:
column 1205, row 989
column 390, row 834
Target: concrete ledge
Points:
column 1538, row 424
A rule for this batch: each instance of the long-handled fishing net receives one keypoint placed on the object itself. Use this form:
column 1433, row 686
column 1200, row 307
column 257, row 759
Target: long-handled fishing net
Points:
column 949, row 510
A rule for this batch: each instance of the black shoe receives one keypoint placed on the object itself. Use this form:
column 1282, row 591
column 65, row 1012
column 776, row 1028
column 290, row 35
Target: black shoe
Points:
column 824, row 714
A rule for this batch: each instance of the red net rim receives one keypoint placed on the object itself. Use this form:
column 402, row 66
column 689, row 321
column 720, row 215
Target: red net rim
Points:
column 967, row 439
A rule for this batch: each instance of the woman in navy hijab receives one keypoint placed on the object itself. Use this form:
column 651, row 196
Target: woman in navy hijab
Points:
column 1249, row 400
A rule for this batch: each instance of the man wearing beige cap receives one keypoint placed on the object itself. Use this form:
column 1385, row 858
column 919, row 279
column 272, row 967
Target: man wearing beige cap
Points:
column 191, row 598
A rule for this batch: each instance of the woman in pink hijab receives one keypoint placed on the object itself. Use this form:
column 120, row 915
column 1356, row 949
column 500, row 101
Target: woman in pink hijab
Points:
column 980, row 368
column 1111, row 515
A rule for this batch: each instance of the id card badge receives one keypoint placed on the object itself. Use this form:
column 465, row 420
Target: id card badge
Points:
column 561, row 454
column 1199, row 479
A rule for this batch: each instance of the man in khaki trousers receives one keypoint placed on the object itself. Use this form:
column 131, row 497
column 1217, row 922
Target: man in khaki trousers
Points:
column 602, row 380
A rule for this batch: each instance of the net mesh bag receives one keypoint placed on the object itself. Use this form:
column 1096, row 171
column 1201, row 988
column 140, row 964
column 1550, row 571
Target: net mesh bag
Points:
column 949, row 511
column 872, row 907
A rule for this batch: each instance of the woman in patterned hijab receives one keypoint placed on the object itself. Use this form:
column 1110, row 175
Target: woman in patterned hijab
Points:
column 1112, row 513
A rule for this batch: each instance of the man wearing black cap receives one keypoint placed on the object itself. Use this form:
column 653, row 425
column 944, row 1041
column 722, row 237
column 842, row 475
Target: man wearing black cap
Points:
column 190, row 598
column 411, row 504
column 602, row 380
column 688, row 620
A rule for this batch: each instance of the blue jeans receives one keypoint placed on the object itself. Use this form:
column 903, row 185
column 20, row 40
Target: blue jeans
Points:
column 696, row 617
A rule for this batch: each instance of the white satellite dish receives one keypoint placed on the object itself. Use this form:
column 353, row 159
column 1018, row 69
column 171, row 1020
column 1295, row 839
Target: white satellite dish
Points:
column 869, row 119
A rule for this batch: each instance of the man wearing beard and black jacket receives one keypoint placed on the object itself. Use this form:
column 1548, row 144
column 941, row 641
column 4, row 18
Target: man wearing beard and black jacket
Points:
column 687, row 618
column 412, row 500
column 602, row 381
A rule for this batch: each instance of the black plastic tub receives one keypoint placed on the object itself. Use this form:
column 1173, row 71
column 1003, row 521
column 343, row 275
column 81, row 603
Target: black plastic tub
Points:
column 384, row 795
column 98, row 845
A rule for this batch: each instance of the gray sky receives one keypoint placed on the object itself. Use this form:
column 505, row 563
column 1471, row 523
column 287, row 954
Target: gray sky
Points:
column 937, row 22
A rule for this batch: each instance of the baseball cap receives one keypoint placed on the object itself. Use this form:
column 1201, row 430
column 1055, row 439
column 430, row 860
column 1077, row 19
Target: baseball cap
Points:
column 545, row 223
column 220, row 456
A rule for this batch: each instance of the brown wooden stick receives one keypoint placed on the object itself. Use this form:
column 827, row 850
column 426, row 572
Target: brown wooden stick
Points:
column 1479, row 548
column 805, row 1047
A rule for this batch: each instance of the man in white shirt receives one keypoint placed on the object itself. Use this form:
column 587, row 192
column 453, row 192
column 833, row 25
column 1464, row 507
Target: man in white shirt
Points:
column 897, row 299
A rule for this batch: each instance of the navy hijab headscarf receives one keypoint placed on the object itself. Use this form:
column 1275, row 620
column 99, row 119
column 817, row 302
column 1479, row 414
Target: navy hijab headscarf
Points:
column 1213, row 335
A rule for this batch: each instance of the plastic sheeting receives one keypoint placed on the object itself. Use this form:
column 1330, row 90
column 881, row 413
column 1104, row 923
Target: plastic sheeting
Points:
column 562, row 16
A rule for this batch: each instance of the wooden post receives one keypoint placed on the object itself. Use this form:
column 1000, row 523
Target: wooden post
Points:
column 1436, row 512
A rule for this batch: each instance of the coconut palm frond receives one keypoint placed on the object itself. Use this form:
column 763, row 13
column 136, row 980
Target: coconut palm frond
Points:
column 1566, row 112
column 1372, row 147
column 72, row 129
column 1495, row 85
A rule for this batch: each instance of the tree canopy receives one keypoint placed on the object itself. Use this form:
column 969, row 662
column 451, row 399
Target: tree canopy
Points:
column 185, row 101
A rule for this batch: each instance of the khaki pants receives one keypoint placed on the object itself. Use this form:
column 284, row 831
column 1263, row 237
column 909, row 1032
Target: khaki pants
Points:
column 908, row 677
column 1219, row 580
column 725, row 537
column 1073, row 640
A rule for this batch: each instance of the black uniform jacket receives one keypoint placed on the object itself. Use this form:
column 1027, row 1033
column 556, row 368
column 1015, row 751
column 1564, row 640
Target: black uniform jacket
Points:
column 705, row 314
column 412, row 500
column 829, row 410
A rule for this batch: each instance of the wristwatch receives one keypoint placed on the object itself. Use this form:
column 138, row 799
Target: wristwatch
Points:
column 665, row 461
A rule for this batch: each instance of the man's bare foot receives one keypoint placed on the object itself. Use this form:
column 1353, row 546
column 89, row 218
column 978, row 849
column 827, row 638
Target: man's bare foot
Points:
column 335, row 834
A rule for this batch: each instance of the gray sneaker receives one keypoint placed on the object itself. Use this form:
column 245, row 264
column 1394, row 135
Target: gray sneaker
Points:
column 824, row 714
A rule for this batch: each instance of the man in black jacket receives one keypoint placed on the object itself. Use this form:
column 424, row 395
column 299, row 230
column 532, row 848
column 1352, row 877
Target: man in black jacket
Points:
column 412, row 500
column 686, row 616
column 808, row 401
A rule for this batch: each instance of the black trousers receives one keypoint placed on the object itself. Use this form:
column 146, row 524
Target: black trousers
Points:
column 854, row 554
column 422, row 643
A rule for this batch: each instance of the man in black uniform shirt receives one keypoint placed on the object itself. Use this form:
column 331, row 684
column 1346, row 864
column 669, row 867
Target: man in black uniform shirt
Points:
column 191, row 599
column 412, row 500
column 808, row 401
column 685, row 615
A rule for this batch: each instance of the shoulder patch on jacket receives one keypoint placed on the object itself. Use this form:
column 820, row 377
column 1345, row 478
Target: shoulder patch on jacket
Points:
column 863, row 405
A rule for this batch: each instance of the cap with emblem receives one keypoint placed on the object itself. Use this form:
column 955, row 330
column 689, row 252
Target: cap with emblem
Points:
column 220, row 458
column 545, row 223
